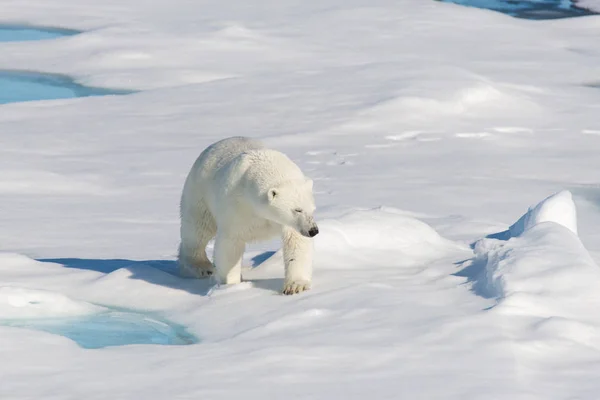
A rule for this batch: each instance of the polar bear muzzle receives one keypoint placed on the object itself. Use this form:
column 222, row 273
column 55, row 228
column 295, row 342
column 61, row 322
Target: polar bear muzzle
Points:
column 312, row 230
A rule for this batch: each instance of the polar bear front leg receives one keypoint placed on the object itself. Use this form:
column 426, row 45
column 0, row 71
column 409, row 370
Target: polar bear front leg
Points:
column 297, row 256
column 228, row 254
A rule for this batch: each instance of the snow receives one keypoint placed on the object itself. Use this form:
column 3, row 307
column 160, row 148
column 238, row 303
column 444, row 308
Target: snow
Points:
column 590, row 4
column 513, row 266
column 543, row 272
column 424, row 134
column 18, row 302
column 365, row 234
column 558, row 208
column 545, row 285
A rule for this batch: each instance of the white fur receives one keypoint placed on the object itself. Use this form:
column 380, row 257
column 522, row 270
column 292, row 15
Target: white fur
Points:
column 241, row 191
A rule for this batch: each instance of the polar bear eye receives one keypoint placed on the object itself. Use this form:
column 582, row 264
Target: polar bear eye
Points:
column 297, row 210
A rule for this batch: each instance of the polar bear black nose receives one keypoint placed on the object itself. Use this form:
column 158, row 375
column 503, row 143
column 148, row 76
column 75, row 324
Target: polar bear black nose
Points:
column 313, row 232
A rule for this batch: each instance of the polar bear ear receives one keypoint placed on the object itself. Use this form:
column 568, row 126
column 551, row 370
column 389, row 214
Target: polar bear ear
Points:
column 272, row 194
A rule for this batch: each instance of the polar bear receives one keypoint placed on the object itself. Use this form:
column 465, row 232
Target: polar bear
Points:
column 240, row 191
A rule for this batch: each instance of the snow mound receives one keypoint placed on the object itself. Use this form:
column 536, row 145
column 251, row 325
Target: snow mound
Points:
column 543, row 269
column 380, row 228
column 13, row 266
column 390, row 236
column 558, row 208
column 14, row 261
column 430, row 99
column 19, row 303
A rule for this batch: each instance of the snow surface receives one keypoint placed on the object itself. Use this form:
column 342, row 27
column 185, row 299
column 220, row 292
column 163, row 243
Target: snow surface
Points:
column 426, row 126
column 18, row 302
column 590, row 4
column 545, row 284
column 557, row 208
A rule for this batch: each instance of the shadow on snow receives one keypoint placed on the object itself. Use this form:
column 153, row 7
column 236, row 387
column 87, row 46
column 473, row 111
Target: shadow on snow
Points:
column 161, row 272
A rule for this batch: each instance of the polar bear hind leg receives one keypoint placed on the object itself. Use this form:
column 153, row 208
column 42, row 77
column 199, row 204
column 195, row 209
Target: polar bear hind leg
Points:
column 198, row 227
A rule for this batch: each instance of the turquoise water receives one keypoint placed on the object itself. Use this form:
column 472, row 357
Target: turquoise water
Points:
column 22, row 86
column 16, row 33
column 112, row 328
column 529, row 9
column 25, row 86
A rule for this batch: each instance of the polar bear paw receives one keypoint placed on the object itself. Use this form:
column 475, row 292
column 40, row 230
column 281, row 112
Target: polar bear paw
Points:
column 204, row 273
column 199, row 272
column 294, row 287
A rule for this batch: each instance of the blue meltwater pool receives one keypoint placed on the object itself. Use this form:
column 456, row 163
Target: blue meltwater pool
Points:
column 529, row 9
column 19, row 33
column 19, row 86
column 25, row 86
column 111, row 328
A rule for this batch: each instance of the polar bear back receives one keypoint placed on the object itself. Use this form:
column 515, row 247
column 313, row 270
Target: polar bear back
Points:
column 220, row 154
column 235, row 165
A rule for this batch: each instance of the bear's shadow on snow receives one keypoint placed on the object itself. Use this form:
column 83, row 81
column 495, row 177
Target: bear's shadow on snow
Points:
column 160, row 272
column 262, row 257
column 268, row 284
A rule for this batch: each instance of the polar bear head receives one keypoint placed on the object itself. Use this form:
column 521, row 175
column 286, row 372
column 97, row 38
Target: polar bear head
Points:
column 292, row 204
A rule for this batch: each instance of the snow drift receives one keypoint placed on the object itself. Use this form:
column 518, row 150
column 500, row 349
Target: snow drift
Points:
column 558, row 208
column 539, row 266
column 385, row 237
